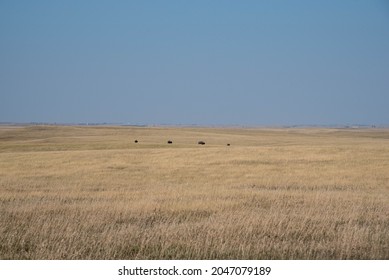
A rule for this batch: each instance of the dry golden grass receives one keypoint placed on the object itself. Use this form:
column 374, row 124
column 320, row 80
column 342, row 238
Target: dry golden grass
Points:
column 92, row 193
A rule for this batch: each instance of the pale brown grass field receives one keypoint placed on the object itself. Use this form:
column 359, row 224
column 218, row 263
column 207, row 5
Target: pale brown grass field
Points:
column 92, row 193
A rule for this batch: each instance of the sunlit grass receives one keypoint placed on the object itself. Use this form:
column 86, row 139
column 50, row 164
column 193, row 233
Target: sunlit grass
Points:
column 92, row 193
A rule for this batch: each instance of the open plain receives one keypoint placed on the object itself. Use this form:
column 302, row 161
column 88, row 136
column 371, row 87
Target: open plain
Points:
column 69, row 192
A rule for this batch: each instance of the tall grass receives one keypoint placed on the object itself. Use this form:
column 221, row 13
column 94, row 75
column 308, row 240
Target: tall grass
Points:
column 92, row 193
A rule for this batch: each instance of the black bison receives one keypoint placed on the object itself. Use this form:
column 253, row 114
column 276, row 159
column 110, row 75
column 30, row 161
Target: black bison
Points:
column 228, row 144
column 136, row 141
column 170, row 142
column 201, row 143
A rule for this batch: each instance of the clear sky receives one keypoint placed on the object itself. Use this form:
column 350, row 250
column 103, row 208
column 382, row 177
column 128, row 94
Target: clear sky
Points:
column 268, row 62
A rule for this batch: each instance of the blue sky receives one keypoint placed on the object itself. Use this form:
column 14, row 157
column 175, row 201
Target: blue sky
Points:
column 195, row 62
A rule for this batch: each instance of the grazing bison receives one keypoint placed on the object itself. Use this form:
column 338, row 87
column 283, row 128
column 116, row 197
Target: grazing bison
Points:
column 136, row 141
column 201, row 143
column 170, row 142
column 228, row 144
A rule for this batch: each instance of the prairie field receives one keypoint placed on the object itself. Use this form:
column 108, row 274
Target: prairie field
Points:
column 91, row 192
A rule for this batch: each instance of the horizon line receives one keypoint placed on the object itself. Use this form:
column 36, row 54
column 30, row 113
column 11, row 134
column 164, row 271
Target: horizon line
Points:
column 349, row 125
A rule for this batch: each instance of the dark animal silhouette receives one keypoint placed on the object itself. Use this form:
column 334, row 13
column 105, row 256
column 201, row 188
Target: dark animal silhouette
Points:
column 201, row 143
column 136, row 141
column 170, row 142
column 228, row 144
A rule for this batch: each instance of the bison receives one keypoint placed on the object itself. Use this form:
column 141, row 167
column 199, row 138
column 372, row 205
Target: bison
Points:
column 201, row 143
column 136, row 141
column 170, row 142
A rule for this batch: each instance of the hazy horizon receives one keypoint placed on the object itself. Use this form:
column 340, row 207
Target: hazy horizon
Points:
column 243, row 63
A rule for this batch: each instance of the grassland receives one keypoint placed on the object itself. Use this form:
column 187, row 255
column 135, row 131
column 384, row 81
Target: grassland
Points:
column 92, row 193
